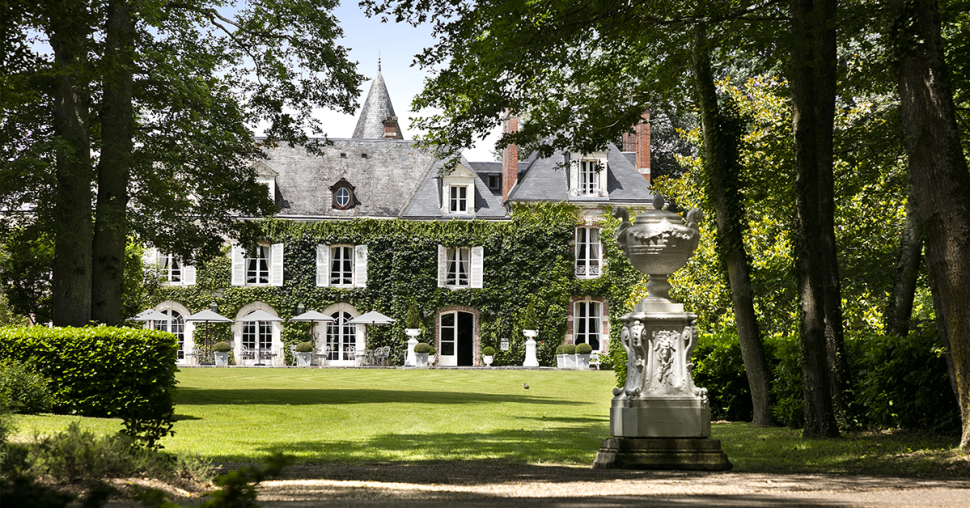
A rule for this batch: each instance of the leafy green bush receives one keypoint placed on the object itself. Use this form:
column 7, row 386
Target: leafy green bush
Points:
column 23, row 389
column 413, row 319
column 488, row 351
column 528, row 319
column 304, row 347
column 584, row 349
column 104, row 372
column 221, row 347
column 422, row 347
column 559, row 349
column 719, row 368
column 902, row 382
column 569, row 349
column 432, row 350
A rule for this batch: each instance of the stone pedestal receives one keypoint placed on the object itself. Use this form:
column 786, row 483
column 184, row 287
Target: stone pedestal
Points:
column 699, row 454
column 413, row 341
column 530, row 349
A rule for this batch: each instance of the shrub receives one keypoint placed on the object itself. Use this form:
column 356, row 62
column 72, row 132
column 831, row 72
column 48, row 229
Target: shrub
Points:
column 413, row 319
column 584, row 349
column 488, row 351
column 528, row 319
column 422, row 347
column 221, row 347
column 104, row 372
column 304, row 347
column 559, row 349
column 23, row 389
column 432, row 350
column 719, row 368
column 569, row 349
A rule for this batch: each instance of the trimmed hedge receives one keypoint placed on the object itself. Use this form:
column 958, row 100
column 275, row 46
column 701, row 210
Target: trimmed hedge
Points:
column 104, row 372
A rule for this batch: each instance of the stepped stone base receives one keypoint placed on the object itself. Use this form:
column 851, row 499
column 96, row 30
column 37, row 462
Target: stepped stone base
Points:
column 699, row 454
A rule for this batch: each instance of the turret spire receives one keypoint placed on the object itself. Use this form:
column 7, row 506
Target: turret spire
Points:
column 377, row 119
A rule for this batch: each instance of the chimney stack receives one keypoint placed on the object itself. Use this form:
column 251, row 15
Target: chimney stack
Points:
column 510, row 157
column 639, row 142
column 391, row 128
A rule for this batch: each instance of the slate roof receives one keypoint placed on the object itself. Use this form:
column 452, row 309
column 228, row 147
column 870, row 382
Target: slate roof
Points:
column 546, row 180
column 383, row 180
column 377, row 108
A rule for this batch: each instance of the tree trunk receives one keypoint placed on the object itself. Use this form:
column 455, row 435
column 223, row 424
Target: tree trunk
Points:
column 721, row 133
column 825, row 90
column 71, row 214
column 809, row 263
column 899, row 309
column 939, row 176
column 117, row 127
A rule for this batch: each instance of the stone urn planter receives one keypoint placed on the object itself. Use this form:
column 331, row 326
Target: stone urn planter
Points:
column 304, row 354
column 412, row 334
column 220, row 350
column 583, row 352
column 488, row 356
column 421, row 352
column 569, row 356
column 530, row 348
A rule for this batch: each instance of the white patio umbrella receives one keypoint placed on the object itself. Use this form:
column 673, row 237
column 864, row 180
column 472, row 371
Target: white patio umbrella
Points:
column 257, row 316
column 207, row 316
column 311, row 316
column 150, row 316
column 371, row 318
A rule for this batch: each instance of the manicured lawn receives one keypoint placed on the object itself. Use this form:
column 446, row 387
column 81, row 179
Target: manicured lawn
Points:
column 349, row 415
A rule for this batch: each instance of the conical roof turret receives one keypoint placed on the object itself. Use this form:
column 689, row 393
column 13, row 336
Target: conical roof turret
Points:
column 377, row 119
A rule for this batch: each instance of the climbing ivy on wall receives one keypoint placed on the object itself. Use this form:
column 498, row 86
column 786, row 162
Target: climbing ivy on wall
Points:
column 529, row 258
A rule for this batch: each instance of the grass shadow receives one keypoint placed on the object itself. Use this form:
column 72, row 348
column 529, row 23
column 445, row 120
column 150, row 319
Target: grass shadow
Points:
column 297, row 397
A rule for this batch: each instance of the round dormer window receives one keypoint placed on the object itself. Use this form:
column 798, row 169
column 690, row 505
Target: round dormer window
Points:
column 343, row 195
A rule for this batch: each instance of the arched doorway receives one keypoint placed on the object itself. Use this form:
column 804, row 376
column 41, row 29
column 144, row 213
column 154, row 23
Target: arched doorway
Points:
column 457, row 339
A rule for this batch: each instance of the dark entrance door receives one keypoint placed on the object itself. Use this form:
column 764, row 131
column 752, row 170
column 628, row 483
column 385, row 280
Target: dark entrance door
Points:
column 466, row 339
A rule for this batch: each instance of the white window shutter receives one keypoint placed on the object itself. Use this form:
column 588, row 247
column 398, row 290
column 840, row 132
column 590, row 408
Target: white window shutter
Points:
column 574, row 178
column 442, row 265
column 323, row 265
column 603, row 176
column 238, row 265
column 360, row 266
column 188, row 275
column 276, row 264
column 478, row 266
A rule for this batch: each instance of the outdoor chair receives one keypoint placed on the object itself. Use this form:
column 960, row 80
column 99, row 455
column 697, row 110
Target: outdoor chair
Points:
column 293, row 354
column 594, row 359
column 382, row 354
column 323, row 356
column 247, row 356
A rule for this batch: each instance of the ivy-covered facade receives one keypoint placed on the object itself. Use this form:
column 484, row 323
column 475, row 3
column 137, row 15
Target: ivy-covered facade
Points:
column 471, row 247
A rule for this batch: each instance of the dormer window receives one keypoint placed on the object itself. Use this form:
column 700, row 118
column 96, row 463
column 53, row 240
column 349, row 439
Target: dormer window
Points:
column 589, row 177
column 495, row 182
column 343, row 195
column 458, row 192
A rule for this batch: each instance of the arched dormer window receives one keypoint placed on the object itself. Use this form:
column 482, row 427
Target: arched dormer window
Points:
column 343, row 195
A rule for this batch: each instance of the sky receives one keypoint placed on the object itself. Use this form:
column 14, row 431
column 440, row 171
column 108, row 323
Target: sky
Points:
column 395, row 44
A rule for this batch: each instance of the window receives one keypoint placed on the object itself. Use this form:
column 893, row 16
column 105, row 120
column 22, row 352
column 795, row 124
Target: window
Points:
column 257, row 336
column 588, row 253
column 460, row 267
column 459, row 199
column 341, row 265
column 171, row 269
column 341, row 337
column 257, row 266
column 343, row 195
column 495, row 182
column 589, row 177
column 176, row 325
column 588, row 323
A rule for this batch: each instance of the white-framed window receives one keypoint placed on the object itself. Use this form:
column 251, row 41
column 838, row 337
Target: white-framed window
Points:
column 261, row 265
column 342, row 266
column 589, row 177
column 460, row 267
column 589, row 253
column 342, row 197
column 171, row 269
column 257, row 266
column 459, row 199
column 341, row 337
column 257, row 336
column 176, row 325
column 588, row 323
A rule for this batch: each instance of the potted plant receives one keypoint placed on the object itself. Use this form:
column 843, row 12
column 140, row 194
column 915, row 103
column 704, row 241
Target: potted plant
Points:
column 582, row 355
column 221, row 351
column 530, row 323
column 569, row 356
column 560, row 357
column 488, row 354
column 421, row 354
column 304, row 354
column 412, row 328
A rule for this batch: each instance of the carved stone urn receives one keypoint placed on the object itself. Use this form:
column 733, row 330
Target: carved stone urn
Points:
column 659, row 419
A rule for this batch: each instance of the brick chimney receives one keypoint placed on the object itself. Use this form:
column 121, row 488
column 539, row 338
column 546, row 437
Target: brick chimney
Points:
column 510, row 157
column 639, row 142
column 391, row 128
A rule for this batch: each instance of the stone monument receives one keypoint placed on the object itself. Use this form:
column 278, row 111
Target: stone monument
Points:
column 659, row 419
